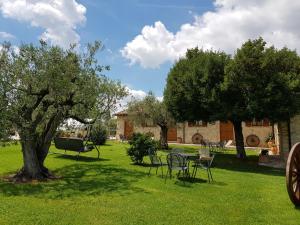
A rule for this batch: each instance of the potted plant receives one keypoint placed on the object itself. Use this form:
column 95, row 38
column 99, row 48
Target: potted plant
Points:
column 270, row 140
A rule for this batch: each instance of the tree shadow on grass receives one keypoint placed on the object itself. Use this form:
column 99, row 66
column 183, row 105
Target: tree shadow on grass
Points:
column 81, row 158
column 79, row 180
column 106, row 144
column 249, row 165
column 188, row 182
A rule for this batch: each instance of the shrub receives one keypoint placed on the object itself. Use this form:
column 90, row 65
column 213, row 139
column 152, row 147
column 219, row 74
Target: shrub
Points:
column 98, row 135
column 139, row 146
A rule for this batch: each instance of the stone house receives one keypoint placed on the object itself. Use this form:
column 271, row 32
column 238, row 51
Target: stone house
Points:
column 287, row 134
column 255, row 132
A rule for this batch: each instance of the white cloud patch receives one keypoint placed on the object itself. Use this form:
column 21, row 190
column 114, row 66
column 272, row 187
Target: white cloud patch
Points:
column 59, row 18
column 133, row 95
column 226, row 28
column 5, row 35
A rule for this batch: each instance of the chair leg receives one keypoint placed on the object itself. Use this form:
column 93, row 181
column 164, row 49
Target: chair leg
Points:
column 167, row 175
column 156, row 170
column 97, row 151
column 178, row 173
column 78, row 156
column 184, row 176
column 162, row 171
column 192, row 175
column 149, row 171
column 195, row 172
column 210, row 174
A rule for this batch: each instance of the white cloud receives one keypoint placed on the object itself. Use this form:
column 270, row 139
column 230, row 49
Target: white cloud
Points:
column 14, row 48
column 59, row 18
column 230, row 24
column 133, row 95
column 6, row 35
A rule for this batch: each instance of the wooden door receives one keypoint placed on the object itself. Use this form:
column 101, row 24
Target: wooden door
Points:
column 128, row 129
column 226, row 131
column 172, row 134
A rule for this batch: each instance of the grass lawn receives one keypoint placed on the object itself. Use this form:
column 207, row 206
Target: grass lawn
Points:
column 112, row 191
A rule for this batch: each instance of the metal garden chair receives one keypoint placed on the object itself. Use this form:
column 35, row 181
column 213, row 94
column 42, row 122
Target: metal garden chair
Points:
column 179, row 163
column 156, row 162
column 204, row 162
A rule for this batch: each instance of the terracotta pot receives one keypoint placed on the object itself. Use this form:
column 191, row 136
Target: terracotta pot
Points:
column 270, row 144
column 274, row 150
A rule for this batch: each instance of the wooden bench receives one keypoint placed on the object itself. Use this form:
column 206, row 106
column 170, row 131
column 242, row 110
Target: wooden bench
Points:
column 74, row 144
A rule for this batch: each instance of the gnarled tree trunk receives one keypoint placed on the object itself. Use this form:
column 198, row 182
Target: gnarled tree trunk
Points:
column 164, row 137
column 239, row 139
column 35, row 149
column 31, row 166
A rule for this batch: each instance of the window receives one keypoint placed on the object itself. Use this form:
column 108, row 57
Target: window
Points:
column 148, row 123
column 197, row 124
column 258, row 123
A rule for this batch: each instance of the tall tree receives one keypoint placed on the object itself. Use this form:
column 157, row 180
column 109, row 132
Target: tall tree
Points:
column 258, row 83
column 44, row 85
column 194, row 85
column 151, row 110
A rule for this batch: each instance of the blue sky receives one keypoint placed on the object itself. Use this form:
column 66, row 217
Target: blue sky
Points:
column 143, row 38
column 115, row 23
column 118, row 22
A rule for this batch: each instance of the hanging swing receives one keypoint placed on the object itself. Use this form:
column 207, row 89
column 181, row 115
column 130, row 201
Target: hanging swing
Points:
column 80, row 145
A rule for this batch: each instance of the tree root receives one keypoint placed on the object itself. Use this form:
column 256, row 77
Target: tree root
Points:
column 22, row 177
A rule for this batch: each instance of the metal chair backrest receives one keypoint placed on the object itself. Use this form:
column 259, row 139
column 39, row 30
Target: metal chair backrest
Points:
column 177, row 150
column 151, row 151
column 204, row 152
column 205, row 142
column 154, row 159
column 175, row 160
column 222, row 144
column 211, row 161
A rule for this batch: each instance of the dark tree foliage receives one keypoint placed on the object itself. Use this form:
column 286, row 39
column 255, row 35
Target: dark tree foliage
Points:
column 258, row 82
column 193, row 86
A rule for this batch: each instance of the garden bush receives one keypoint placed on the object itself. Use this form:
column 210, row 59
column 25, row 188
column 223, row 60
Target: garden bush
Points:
column 139, row 146
column 98, row 134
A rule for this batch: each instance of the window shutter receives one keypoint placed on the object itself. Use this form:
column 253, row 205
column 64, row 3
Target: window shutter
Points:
column 266, row 123
column 248, row 123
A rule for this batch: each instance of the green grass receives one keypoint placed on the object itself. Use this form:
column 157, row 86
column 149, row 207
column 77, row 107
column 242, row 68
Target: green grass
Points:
column 113, row 191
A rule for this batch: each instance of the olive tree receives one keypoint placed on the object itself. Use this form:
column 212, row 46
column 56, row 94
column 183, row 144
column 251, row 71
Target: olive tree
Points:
column 44, row 85
column 151, row 110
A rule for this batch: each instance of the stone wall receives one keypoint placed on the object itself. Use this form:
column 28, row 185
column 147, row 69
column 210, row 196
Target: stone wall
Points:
column 154, row 130
column 120, row 126
column 210, row 132
column 295, row 129
column 283, row 134
column 260, row 131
